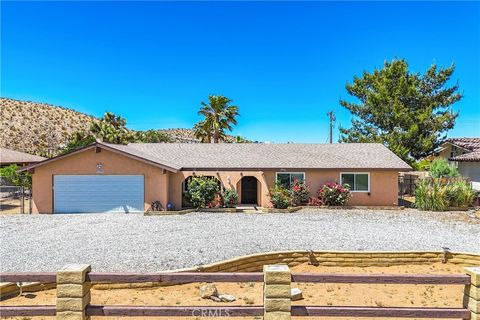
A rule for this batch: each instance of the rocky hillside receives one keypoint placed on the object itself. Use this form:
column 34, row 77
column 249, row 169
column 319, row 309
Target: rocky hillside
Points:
column 38, row 128
column 43, row 129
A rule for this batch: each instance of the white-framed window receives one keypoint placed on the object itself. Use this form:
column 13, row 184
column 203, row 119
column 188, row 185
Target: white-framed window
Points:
column 287, row 178
column 358, row 181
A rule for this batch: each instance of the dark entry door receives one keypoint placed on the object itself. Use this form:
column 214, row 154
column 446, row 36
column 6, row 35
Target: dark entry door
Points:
column 249, row 190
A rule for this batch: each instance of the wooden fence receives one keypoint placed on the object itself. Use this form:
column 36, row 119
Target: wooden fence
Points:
column 74, row 283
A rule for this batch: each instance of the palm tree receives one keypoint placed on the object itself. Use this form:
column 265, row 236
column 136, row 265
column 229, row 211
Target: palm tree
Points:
column 219, row 116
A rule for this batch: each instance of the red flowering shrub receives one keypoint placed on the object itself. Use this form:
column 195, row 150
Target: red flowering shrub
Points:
column 315, row 202
column 334, row 194
column 299, row 193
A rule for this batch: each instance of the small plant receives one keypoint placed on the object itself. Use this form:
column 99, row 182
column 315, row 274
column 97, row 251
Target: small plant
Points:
column 460, row 194
column 439, row 194
column 299, row 192
column 229, row 198
column 280, row 196
column 202, row 191
column 334, row 194
column 440, row 168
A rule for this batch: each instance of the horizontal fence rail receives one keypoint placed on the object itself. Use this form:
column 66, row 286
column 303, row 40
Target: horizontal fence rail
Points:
column 27, row 311
column 311, row 311
column 459, row 279
column 187, row 311
column 119, row 277
column 273, row 276
column 110, row 277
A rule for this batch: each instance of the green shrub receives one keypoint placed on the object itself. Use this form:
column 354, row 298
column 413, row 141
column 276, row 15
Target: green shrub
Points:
column 440, row 168
column 280, row 196
column 460, row 194
column 334, row 194
column 202, row 191
column 299, row 193
column 439, row 194
column 11, row 176
column 430, row 195
column 229, row 198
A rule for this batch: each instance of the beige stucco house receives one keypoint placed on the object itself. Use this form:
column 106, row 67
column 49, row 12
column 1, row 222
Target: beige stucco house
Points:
column 465, row 154
column 106, row 177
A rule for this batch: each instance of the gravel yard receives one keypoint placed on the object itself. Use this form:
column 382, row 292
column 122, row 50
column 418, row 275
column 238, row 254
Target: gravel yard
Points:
column 132, row 242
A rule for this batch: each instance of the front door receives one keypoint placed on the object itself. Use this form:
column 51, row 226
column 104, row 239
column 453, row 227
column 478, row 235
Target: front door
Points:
column 249, row 190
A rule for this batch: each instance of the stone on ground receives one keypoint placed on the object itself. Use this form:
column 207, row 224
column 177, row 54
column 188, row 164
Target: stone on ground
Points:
column 226, row 297
column 208, row 290
column 296, row 294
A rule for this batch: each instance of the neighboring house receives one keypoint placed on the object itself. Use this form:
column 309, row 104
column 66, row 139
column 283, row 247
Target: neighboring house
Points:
column 8, row 157
column 465, row 154
column 107, row 177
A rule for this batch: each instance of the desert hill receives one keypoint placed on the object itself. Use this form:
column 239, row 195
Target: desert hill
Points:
column 44, row 129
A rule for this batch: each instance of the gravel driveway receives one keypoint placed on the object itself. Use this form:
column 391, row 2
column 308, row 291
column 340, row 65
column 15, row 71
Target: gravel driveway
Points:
column 131, row 242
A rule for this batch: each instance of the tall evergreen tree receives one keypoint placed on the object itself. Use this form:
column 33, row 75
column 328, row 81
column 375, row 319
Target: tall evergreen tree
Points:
column 409, row 113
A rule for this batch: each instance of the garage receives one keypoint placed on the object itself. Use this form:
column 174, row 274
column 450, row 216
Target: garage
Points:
column 98, row 193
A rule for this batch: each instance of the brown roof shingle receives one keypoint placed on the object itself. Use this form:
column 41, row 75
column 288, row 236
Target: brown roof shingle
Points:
column 264, row 156
column 8, row 156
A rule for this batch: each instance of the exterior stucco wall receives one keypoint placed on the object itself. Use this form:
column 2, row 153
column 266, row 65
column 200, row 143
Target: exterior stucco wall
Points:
column 166, row 186
column 85, row 163
column 383, row 184
column 470, row 170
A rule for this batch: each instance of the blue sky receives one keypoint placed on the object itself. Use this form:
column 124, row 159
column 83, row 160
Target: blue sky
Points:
column 285, row 64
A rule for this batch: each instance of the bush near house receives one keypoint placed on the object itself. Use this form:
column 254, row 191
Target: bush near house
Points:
column 299, row 193
column 334, row 194
column 229, row 198
column 12, row 177
column 438, row 194
column 441, row 168
column 201, row 191
column 280, row 196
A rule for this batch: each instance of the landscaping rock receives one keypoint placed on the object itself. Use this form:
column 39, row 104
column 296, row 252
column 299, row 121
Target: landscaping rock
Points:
column 296, row 294
column 208, row 290
column 215, row 298
column 226, row 297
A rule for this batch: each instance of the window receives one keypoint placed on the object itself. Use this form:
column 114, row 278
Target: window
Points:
column 287, row 178
column 356, row 181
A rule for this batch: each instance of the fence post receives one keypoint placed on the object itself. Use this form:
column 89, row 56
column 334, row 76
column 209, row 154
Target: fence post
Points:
column 471, row 299
column 276, row 292
column 73, row 292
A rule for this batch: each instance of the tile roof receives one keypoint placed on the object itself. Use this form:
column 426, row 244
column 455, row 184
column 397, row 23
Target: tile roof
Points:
column 264, row 156
column 471, row 156
column 8, row 156
column 471, row 144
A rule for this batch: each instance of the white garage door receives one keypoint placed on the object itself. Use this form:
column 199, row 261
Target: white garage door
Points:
column 98, row 193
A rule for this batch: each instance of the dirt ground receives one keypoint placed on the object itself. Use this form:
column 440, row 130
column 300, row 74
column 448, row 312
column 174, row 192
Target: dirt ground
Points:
column 314, row 294
column 12, row 206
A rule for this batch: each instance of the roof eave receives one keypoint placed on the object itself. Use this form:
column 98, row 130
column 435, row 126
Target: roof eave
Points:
column 91, row 146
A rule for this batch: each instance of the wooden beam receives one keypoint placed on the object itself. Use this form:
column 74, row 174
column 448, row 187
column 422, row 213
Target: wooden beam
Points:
column 310, row 311
column 178, row 311
column 27, row 311
column 459, row 279
column 43, row 277
column 177, row 277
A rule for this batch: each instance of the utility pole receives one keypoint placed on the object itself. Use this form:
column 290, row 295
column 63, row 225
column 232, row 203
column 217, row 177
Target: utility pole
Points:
column 332, row 118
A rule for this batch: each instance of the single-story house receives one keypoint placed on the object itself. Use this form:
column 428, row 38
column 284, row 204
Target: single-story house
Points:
column 465, row 154
column 8, row 157
column 108, row 177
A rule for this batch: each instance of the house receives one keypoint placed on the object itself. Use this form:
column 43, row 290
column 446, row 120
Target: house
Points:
column 8, row 157
column 107, row 177
column 465, row 154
